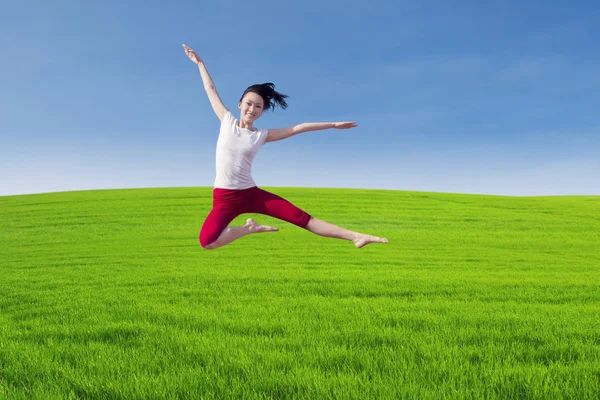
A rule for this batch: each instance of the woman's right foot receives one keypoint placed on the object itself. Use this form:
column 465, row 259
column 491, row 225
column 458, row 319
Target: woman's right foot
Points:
column 363, row 240
column 255, row 227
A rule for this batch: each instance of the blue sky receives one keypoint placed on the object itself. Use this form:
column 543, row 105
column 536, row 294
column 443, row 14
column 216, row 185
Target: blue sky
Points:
column 463, row 97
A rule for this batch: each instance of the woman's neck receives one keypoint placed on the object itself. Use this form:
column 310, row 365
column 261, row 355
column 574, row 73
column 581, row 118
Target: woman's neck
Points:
column 245, row 125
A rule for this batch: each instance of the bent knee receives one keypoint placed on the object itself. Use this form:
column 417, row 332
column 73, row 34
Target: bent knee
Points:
column 207, row 243
column 208, row 246
column 211, row 246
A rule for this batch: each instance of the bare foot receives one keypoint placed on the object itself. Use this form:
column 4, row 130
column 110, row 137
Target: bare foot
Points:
column 255, row 227
column 363, row 240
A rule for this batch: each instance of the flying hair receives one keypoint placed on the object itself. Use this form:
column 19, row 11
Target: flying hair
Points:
column 271, row 97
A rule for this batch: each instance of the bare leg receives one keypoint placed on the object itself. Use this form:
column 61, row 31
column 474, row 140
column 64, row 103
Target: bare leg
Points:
column 230, row 234
column 326, row 229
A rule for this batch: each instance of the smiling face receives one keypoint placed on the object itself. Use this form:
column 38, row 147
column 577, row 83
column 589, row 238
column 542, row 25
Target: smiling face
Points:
column 251, row 107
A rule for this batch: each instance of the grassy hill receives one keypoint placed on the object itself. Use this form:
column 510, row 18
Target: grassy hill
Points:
column 108, row 294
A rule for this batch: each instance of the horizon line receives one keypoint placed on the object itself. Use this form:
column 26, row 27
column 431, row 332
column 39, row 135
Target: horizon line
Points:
column 299, row 187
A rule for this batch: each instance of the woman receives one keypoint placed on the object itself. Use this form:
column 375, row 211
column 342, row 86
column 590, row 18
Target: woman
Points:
column 234, row 191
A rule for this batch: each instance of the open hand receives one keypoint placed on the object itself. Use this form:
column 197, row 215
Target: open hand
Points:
column 344, row 125
column 192, row 55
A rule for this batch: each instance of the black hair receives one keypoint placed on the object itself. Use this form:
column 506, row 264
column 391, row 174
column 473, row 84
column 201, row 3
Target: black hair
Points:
column 270, row 96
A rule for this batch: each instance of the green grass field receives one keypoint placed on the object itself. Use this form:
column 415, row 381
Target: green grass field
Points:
column 107, row 294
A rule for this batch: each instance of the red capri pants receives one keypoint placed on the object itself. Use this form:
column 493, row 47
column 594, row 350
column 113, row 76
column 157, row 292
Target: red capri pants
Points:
column 228, row 204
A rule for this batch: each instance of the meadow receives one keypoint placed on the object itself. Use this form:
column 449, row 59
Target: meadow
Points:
column 107, row 294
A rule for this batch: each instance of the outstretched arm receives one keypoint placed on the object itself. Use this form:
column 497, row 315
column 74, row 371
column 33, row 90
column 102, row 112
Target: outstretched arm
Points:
column 284, row 133
column 209, row 85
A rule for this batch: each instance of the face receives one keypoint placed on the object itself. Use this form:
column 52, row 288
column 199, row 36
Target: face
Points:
column 251, row 107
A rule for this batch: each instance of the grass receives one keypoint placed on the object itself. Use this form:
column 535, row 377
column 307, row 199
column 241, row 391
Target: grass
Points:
column 107, row 294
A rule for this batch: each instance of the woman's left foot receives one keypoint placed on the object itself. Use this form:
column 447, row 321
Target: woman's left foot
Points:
column 363, row 240
column 255, row 227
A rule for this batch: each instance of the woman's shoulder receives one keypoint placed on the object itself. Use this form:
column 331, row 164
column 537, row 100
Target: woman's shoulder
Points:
column 228, row 117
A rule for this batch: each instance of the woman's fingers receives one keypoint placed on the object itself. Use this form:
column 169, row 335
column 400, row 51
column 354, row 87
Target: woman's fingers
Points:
column 191, row 54
column 346, row 125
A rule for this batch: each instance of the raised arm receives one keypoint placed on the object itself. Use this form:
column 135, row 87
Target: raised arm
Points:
column 209, row 85
column 284, row 133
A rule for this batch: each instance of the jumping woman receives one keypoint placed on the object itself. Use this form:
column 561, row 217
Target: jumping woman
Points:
column 235, row 192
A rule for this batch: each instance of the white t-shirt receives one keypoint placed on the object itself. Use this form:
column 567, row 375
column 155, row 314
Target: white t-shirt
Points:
column 236, row 149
